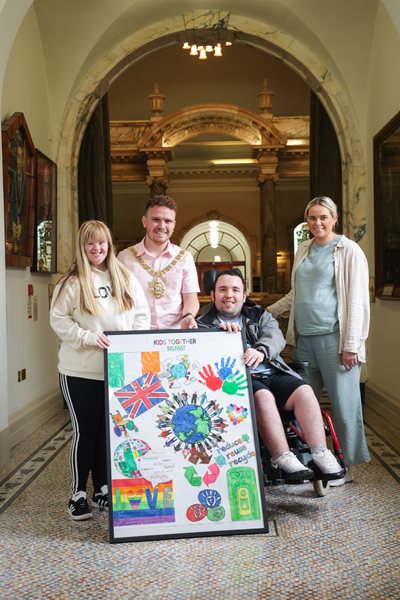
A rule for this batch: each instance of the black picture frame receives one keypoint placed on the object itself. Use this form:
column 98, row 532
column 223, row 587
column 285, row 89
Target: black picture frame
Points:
column 167, row 477
column 386, row 147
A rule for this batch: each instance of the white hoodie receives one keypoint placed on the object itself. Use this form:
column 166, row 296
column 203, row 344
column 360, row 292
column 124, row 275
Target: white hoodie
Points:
column 79, row 356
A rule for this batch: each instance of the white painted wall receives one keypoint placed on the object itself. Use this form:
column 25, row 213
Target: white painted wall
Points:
column 11, row 16
column 30, row 343
column 383, row 104
column 56, row 50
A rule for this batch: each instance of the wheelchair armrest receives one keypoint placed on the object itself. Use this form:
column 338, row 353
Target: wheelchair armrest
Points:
column 299, row 366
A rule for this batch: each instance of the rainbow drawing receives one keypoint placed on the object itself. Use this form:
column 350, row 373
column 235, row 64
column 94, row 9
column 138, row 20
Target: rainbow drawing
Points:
column 137, row 502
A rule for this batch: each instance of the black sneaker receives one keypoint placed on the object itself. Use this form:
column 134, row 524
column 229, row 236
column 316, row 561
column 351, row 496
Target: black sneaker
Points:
column 79, row 509
column 100, row 501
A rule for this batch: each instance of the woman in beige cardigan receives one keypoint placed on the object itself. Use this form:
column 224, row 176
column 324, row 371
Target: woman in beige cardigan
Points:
column 329, row 320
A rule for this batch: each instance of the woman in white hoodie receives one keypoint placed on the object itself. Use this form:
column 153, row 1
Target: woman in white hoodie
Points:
column 329, row 320
column 97, row 294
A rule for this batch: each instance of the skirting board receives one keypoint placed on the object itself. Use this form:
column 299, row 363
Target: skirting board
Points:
column 27, row 420
column 385, row 406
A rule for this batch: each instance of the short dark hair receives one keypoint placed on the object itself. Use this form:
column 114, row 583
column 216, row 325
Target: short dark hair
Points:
column 232, row 273
column 161, row 201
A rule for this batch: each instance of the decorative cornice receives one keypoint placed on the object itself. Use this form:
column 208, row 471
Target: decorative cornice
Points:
column 135, row 142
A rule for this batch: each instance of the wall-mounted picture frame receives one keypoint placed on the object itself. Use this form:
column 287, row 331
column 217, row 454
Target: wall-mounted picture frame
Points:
column 19, row 191
column 45, row 255
column 386, row 145
column 183, row 451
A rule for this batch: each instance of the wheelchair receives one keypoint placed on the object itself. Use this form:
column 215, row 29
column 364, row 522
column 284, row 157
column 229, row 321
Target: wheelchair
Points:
column 297, row 445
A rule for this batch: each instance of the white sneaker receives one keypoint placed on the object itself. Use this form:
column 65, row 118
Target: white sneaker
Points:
column 337, row 482
column 292, row 469
column 327, row 463
column 348, row 477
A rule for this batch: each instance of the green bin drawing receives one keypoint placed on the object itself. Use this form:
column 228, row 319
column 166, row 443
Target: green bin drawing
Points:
column 243, row 494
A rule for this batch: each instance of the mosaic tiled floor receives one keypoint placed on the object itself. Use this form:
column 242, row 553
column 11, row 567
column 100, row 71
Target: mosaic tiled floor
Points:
column 385, row 453
column 19, row 479
column 345, row 545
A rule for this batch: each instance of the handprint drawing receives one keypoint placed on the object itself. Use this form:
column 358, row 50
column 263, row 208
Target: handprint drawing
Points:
column 209, row 378
column 234, row 385
column 225, row 369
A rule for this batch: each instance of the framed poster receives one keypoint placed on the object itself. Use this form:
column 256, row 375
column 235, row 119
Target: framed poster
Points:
column 46, row 215
column 386, row 146
column 183, row 452
column 19, row 191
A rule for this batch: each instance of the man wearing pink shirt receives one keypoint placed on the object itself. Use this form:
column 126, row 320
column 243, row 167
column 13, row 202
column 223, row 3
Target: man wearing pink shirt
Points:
column 166, row 272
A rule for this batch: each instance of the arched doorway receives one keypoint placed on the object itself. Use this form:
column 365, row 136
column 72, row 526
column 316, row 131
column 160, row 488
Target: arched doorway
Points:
column 216, row 244
column 100, row 75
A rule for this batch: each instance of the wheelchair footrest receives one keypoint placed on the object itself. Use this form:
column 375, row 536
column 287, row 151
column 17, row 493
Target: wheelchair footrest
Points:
column 325, row 476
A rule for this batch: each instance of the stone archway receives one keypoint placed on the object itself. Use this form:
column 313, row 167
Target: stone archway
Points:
column 227, row 119
column 267, row 38
column 239, row 252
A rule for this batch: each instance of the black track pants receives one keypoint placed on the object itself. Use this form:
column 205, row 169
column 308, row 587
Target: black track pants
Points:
column 85, row 399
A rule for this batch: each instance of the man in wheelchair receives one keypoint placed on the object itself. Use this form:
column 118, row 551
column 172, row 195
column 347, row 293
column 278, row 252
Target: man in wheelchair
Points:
column 275, row 385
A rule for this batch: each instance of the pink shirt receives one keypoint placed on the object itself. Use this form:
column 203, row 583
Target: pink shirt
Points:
column 166, row 312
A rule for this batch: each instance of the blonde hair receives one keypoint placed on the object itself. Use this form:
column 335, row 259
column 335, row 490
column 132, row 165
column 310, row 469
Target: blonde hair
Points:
column 322, row 201
column 81, row 270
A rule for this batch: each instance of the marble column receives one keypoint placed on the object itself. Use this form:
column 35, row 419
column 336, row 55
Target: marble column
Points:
column 268, row 244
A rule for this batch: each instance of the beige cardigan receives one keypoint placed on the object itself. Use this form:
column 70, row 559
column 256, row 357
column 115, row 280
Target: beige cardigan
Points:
column 352, row 286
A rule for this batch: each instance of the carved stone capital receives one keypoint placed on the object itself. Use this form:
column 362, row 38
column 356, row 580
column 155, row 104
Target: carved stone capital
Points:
column 262, row 178
column 158, row 185
column 267, row 165
column 156, row 166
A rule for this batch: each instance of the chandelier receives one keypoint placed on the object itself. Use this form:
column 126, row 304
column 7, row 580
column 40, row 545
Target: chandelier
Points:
column 206, row 35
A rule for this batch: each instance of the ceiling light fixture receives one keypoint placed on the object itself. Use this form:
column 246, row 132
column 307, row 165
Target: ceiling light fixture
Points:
column 213, row 233
column 206, row 35
column 233, row 161
column 296, row 142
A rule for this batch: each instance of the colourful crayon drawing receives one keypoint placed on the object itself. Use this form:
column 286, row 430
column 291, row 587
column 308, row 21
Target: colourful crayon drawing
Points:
column 141, row 394
column 230, row 383
column 211, row 475
column 137, row 502
column 150, row 362
column 209, row 505
column 115, row 369
column 236, row 414
column 243, row 494
column 225, row 368
column 127, row 457
column 122, row 424
column 192, row 425
column 178, row 371
column 191, row 465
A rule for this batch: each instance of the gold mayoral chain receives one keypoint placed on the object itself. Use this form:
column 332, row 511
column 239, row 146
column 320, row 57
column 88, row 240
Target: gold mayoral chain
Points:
column 157, row 286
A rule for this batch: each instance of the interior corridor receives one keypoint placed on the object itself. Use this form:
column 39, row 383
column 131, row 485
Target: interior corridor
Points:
column 353, row 531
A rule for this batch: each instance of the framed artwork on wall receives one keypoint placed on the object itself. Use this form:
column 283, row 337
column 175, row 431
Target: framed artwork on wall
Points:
column 387, row 210
column 183, row 451
column 45, row 259
column 19, row 191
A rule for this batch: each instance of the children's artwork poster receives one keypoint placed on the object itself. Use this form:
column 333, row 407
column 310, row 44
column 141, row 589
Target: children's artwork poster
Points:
column 183, row 451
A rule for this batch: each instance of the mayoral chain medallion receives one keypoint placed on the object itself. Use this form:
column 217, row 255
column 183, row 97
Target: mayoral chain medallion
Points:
column 157, row 286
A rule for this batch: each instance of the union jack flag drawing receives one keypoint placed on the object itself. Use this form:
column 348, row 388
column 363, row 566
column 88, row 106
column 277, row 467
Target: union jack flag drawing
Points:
column 141, row 394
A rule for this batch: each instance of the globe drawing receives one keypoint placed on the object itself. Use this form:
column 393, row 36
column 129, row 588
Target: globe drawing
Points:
column 191, row 424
